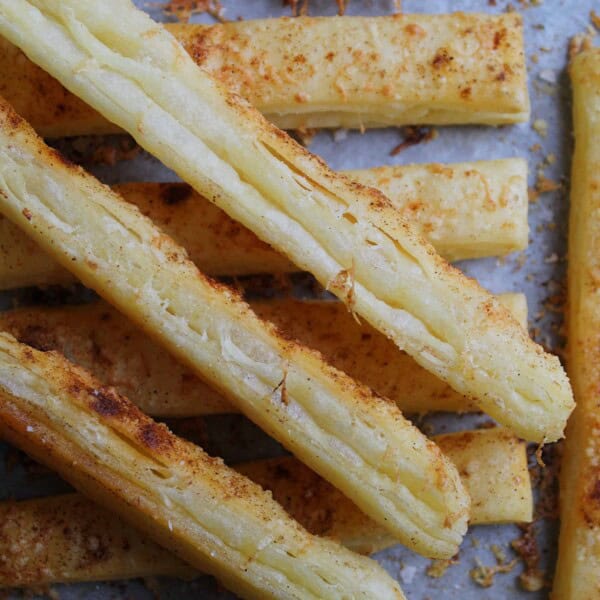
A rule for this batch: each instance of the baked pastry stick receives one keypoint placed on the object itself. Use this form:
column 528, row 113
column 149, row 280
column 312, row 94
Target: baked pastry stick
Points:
column 463, row 68
column 210, row 516
column 69, row 538
column 578, row 568
column 466, row 210
column 115, row 351
column 358, row 441
column 350, row 237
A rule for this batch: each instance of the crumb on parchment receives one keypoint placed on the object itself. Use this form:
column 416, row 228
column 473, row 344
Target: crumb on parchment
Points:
column 532, row 578
column 520, row 260
column 545, row 184
column 183, row 10
column 498, row 553
column 108, row 153
column 414, row 135
column 438, row 567
column 540, row 126
column 407, row 574
column 548, row 75
column 304, row 135
column 483, row 575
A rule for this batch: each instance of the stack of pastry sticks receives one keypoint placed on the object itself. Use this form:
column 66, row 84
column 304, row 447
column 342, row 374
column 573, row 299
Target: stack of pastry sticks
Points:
column 364, row 247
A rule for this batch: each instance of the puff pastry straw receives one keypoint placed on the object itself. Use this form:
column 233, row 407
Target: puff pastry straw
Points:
column 358, row 441
column 212, row 517
column 401, row 70
column 466, row 210
column 69, row 538
column 114, row 350
column 350, row 237
column 578, row 568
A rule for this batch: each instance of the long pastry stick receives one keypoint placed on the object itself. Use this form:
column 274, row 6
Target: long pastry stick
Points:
column 578, row 568
column 466, row 210
column 356, row 440
column 212, row 517
column 402, row 70
column 350, row 237
column 69, row 538
column 114, row 350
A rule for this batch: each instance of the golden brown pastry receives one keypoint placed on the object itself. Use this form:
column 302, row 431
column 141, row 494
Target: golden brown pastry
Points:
column 463, row 68
column 70, row 538
column 578, row 568
column 114, row 350
column 209, row 515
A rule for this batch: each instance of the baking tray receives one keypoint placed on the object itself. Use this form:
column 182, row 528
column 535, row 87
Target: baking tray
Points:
column 538, row 272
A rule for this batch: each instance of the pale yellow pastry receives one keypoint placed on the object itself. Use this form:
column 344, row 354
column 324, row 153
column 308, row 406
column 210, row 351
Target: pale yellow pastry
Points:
column 210, row 516
column 114, row 350
column 38, row 549
column 350, row 237
column 466, row 210
column 400, row 70
column 578, row 569
column 355, row 439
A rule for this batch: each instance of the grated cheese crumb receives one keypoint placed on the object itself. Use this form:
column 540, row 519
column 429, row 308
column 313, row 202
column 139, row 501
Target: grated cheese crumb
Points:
column 541, row 127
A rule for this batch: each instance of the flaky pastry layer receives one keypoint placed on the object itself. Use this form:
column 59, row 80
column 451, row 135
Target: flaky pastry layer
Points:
column 350, row 237
column 208, row 514
column 466, row 210
column 37, row 549
column 114, row 350
column 578, row 566
column 358, row 441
